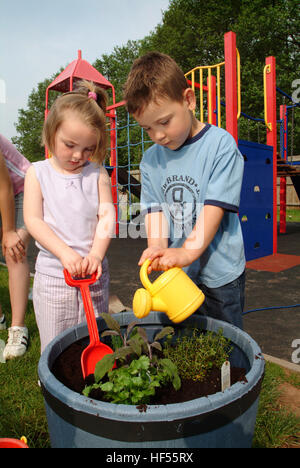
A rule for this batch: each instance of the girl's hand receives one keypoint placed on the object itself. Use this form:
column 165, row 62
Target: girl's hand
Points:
column 72, row 262
column 91, row 264
column 13, row 245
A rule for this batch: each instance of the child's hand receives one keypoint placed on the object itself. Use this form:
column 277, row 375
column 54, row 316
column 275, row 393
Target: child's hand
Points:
column 13, row 245
column 72, row 262
column 153, row 254
column 174, row 257
column 90, row 264
column 163, row 259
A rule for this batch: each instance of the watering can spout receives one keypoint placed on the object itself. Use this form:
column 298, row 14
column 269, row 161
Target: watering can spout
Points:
column 159, row 305
column 143, row 302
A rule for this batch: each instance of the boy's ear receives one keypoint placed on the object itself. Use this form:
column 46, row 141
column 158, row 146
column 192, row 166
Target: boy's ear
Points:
column 190, row 98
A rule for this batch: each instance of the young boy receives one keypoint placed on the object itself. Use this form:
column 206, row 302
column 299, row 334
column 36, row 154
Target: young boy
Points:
column 191, row 183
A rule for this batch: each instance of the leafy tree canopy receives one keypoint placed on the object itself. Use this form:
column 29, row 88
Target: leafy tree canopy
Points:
column 192, row 32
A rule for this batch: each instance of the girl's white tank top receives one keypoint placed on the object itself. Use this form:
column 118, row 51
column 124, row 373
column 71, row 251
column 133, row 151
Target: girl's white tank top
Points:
column 70, row 208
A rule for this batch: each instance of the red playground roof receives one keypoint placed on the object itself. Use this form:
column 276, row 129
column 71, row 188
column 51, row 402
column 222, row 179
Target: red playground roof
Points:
column 77, row 70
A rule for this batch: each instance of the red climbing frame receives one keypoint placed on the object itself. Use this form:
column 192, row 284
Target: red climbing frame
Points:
column 272, row 134
column 231, row 84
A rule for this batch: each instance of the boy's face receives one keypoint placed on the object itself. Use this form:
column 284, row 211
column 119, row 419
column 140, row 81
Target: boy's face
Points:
column 169, row 123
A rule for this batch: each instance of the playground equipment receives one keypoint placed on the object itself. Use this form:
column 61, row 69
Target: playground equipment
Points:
column 258, row 206
column 263, row 164
column 287, row 166
column 258, row 211
column 173, row 292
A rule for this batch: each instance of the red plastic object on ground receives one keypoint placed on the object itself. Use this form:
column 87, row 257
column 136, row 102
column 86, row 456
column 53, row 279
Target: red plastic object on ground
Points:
column 12, row 443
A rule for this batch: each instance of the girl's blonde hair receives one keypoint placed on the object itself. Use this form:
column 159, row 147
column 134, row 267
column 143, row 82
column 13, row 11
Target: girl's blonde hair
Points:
column 91, row 111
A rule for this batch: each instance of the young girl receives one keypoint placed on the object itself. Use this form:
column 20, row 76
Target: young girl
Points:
column 15, row 239
column 68, row 210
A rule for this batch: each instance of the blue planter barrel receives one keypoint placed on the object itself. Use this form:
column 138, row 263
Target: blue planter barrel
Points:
column 221, row 420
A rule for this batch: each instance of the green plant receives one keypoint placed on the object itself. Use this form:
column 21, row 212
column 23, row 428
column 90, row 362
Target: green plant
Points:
column 140, row 371
column 197, row 354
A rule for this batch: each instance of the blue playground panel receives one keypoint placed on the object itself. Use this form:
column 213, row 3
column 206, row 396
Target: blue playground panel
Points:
column 256, row 206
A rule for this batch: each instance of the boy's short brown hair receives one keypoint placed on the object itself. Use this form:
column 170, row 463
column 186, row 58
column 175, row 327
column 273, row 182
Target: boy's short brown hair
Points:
column 152, row 76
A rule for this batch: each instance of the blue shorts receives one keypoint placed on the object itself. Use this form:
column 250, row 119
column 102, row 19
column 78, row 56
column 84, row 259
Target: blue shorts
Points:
column 226, row 302
column 19, row 220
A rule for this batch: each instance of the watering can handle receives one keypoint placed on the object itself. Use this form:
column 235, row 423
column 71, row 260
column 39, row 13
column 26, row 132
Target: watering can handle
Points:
column 144, row 275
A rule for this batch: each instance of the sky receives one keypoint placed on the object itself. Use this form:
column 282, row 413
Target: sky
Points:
column 37, row 38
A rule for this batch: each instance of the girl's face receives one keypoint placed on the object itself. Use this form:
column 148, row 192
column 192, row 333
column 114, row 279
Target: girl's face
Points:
column 75, row 143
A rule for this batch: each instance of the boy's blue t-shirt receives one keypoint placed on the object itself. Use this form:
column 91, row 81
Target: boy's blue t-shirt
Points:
column 207, row 169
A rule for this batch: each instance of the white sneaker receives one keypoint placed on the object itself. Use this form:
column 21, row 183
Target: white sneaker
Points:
column 2, row 323
column 17, row 342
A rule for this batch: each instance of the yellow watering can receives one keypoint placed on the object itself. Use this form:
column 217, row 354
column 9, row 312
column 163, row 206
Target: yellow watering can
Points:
column 173, row 292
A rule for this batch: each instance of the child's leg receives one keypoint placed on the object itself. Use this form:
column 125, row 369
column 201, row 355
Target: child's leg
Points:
column 18, row 284
column 18, row 281
column 2, row 320
column 55, row 306
column 58, row 306
column 225, row 303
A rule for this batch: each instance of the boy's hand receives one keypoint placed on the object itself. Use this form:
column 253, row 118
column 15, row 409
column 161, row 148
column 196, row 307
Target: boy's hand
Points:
column 163, row 259
column 174, row 257
column 90, row 264
column 153, row 254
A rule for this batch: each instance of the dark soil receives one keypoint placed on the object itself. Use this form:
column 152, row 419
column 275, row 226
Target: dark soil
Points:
column 67, row 369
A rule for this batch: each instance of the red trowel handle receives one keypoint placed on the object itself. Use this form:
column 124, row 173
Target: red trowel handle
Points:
column 80, row 281
column 83, row 284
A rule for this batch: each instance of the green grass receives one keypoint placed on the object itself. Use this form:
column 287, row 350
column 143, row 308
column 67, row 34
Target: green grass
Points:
column 292, row 215
column 22, row 407
column 276, row 426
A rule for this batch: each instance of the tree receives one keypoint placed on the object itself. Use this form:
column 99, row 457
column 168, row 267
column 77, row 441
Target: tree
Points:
column 115, row 66
column 30, row 122
column 192, row 32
